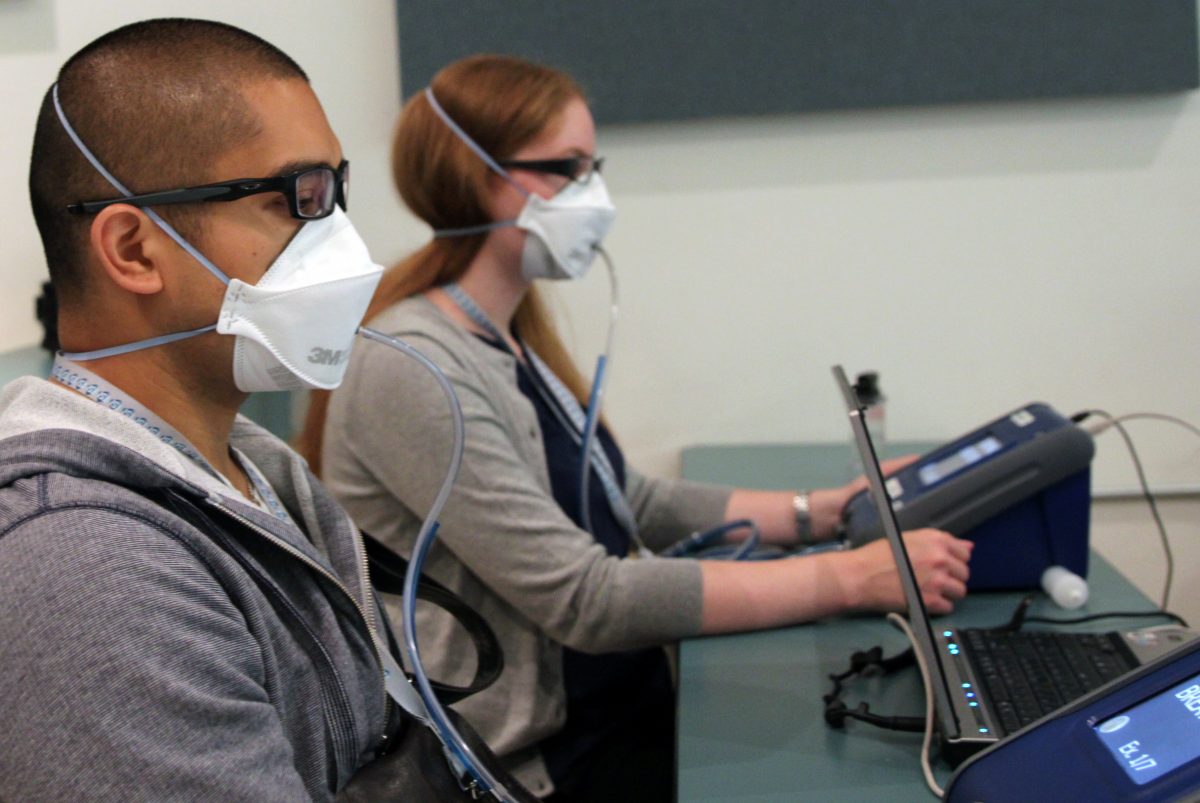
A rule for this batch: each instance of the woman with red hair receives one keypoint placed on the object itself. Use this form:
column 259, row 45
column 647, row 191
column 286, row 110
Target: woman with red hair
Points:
column 498, row 156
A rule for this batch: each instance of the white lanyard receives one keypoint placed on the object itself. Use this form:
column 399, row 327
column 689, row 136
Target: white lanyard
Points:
column 564, row 406
column 98, row 390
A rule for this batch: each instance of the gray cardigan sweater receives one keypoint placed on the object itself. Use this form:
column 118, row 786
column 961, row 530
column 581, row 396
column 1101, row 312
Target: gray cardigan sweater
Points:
column 147, row 654
column 504, row 544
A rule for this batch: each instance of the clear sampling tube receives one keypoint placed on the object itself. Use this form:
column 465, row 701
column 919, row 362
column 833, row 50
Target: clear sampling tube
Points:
column 458, row 751
column 596, row 398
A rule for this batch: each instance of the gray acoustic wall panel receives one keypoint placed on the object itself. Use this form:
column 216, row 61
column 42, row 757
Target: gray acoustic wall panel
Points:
column 642, row 60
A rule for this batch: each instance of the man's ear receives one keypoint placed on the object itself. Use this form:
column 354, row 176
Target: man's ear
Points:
column 130, row 249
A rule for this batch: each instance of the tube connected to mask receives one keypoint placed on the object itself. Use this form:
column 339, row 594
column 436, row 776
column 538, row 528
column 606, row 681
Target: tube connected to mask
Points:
column 566, row 229
column 294, row 327
column 565, row 407
column 596, row 399
column 478, row 778
column 566, row 234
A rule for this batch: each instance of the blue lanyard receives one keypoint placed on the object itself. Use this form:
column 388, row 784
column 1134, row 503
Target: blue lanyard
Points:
column 72, row 376
column 263, row 488
column 565, row 407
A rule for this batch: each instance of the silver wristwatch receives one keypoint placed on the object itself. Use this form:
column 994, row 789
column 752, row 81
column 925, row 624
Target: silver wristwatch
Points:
column 804, row 531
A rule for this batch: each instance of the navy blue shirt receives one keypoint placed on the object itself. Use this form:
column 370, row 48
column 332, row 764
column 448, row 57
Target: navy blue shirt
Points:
column 606, row 694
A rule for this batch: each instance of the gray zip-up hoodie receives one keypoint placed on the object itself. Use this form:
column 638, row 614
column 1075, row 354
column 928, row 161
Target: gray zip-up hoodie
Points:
column 162, row 639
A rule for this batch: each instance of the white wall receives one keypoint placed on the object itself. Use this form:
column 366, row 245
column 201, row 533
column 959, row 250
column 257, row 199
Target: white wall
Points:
column 1123, row 533
column 978, row 256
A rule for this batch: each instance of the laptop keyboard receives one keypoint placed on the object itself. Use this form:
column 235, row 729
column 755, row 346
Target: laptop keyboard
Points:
column 1029, row 673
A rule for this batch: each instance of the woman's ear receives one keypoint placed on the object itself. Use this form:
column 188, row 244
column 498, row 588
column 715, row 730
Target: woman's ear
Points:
column 128, row 245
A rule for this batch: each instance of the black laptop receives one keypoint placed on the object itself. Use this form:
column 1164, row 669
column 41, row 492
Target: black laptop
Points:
column 988, row 683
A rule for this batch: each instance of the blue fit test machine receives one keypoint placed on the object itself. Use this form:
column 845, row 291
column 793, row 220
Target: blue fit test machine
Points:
column 1019, row 487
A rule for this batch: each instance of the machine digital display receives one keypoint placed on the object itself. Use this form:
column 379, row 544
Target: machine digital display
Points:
column 1156, row 735
column 968, row 455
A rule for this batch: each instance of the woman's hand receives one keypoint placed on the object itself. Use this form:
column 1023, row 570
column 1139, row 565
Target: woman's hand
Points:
column 826, row 504
column 938, row 559
column 769, row 593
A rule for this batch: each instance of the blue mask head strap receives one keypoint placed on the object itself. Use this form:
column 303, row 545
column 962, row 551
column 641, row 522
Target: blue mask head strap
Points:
column 121, row 188
column 113, row 351
column 481, row 228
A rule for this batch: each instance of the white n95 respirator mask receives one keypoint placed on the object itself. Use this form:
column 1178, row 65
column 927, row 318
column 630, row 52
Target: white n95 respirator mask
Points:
column 296, row 326
column 563, row 232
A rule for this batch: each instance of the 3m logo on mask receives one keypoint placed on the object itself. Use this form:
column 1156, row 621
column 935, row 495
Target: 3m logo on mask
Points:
column 320, row 356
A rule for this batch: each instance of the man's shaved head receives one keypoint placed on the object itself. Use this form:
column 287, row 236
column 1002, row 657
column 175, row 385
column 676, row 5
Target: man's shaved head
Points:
column 156, row 102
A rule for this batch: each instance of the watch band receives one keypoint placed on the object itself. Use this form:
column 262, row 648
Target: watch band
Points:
column 800, row 507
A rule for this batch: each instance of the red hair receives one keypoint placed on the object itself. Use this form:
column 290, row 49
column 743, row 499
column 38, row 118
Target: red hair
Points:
column 503, row 103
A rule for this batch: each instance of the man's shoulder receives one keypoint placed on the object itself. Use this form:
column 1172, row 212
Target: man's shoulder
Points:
column 55, row 490
column 53, row 516
column 69, row 495
column 65, row 468
column 87, row 553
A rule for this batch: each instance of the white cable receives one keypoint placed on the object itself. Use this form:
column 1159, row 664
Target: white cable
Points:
column 902, row 624
column 1195, row 430
column 1105, row 425
column 1147, row 494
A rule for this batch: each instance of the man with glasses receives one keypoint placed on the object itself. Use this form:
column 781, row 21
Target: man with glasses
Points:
column 184, row 611
column 311, row 192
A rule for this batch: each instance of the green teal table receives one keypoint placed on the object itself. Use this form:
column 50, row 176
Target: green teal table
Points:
column 750, row 710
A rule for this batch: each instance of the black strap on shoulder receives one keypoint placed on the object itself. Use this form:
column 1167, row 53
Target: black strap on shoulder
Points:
column 387, row 576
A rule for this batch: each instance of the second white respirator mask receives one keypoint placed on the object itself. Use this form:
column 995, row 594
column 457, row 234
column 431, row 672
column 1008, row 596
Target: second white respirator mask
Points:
column 564, row 231
column 296, row 326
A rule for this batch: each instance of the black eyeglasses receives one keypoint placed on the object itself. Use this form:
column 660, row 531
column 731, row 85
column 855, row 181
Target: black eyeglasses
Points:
column 576, row 168
column 311, row 193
